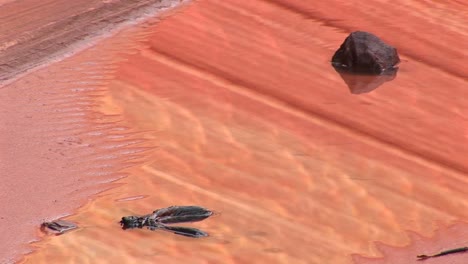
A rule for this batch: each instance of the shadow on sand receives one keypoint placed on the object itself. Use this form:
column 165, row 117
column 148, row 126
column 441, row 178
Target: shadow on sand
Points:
column 364, row 83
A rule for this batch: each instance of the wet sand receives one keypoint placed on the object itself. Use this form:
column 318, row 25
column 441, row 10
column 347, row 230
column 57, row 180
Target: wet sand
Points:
column 251, row 121
column 57, row 148
column 34, row 33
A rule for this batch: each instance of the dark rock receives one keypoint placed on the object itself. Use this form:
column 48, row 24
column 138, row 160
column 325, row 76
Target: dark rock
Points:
column 365, row 83
column 363, row 52
column 58, row 227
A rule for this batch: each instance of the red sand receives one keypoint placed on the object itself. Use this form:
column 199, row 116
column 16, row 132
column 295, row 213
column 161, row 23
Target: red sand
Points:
column 58, row 149
column 453, row 237
column 252, row 121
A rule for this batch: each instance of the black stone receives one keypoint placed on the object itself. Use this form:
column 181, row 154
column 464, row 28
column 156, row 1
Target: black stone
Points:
column 363, row 52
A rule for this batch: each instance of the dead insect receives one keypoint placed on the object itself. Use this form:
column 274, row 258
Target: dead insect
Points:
column 58, row 227
column 170, row 215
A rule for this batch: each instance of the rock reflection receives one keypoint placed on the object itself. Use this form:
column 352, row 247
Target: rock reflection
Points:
column 365, row 83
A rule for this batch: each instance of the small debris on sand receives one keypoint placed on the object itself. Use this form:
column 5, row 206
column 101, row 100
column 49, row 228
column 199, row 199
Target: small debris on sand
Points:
column 58, row 227
column 443, row 253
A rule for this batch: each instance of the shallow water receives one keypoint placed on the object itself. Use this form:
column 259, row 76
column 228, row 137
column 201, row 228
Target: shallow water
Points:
column 250, row 120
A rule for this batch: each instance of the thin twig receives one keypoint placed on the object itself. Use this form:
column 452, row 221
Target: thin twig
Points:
column 442, row 253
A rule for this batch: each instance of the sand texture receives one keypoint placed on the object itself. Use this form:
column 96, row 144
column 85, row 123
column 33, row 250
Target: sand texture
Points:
column 233, row 105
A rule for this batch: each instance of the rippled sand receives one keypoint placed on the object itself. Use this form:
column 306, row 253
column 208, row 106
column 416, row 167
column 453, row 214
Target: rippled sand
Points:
column 57, row 147
column 249, row 119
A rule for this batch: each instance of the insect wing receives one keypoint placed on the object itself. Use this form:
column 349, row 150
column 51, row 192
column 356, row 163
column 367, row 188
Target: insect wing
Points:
column 185, row 231
column 181, row 214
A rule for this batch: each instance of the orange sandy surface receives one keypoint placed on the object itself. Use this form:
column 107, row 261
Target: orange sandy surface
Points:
column 250, row 120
